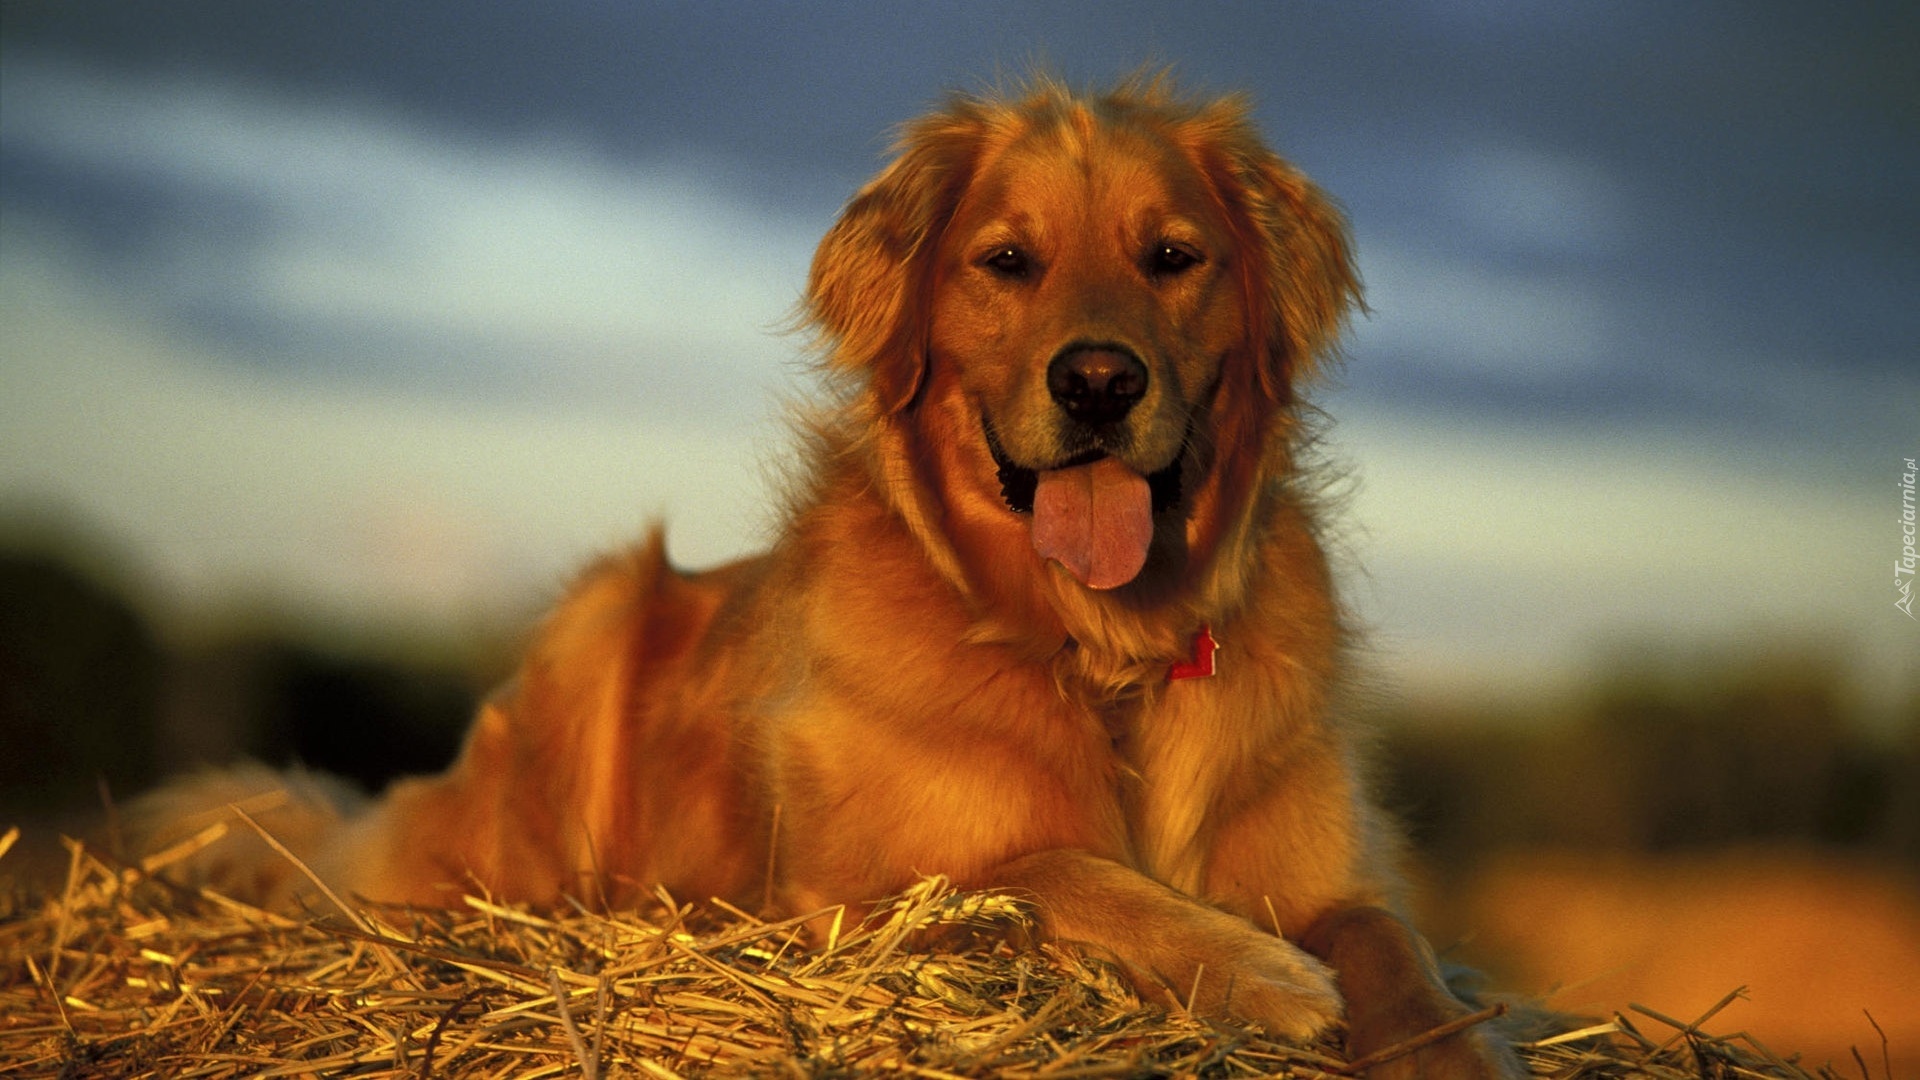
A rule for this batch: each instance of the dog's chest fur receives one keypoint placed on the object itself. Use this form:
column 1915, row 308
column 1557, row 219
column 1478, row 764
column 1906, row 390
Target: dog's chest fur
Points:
column 1164, row 765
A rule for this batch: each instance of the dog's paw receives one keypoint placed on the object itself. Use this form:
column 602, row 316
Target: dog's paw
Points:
column 1176, row 950
column 1277, row 986
column 1241, row 975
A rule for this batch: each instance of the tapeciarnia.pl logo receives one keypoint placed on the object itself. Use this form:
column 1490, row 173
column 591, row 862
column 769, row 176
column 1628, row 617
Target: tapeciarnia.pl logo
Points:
column 1904, row 565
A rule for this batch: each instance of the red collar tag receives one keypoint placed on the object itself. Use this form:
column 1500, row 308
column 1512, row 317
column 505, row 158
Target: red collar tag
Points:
column 1201, row 664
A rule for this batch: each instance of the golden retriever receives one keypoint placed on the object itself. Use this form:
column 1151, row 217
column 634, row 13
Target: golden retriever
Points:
column 1047, row 612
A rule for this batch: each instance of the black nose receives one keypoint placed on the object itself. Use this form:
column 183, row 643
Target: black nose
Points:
column 1096, row 384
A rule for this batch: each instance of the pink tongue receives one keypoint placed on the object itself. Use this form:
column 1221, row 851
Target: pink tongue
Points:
column 1096, row 520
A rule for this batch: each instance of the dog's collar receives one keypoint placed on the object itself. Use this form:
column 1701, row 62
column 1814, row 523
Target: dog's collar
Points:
column 1199, row 665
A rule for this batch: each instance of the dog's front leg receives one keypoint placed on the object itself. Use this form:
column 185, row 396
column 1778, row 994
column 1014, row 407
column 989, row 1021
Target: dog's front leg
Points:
column 1394, row 992
column 1175, row 948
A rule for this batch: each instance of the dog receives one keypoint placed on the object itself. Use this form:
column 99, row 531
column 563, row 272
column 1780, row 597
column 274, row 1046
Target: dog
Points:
column 1048, row 611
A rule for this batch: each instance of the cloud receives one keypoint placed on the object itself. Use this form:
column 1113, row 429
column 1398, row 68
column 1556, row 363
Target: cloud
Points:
column 1475, row 318
column 356, row 365
column 1498, row 553
column 1534, row 201
column 335, row 499
column 1499, row 266
column 330, row 236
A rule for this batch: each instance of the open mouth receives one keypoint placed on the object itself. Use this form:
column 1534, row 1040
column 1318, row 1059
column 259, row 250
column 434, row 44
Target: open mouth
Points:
column 1018, row 484
column 1090, row 513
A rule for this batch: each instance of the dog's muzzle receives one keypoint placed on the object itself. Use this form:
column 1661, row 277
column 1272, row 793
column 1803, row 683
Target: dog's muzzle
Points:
column 1017, row 483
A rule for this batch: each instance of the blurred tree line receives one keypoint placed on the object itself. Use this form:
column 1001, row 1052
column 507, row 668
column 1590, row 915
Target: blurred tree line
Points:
column 94, row 702
column 1658, row 756
column 1753, row 747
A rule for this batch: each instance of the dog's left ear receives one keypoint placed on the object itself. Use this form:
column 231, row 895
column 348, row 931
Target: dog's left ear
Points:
column 868, row 288
column 1301, row 281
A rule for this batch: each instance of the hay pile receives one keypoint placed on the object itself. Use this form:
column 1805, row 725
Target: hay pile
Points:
column 121, row 975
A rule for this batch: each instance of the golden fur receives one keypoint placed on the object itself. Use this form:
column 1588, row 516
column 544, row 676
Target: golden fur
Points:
column 903, row 685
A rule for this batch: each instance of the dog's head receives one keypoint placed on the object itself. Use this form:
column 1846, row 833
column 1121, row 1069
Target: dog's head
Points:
column 1087, row 314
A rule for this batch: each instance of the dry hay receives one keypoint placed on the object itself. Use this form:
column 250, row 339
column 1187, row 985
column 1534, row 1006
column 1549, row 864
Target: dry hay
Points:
column 121, row 974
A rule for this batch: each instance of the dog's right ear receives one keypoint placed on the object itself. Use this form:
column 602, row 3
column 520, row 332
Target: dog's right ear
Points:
column 1306, row 280
column 867, row 291
column 1301, row 280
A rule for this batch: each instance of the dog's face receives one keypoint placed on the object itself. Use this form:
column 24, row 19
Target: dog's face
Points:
column 1089, row 310
column 1085, row 300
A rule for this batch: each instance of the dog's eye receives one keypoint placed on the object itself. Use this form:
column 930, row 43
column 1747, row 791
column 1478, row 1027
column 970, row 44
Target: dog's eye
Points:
column 1009, row 262
column 1168, row 258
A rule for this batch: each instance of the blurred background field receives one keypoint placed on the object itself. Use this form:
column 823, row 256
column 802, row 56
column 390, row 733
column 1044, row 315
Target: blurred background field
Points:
column 333, row 336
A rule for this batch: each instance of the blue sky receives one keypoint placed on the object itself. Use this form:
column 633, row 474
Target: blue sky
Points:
column 386, row 311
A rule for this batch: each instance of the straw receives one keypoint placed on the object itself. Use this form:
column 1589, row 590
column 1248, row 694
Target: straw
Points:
column 120, row 974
